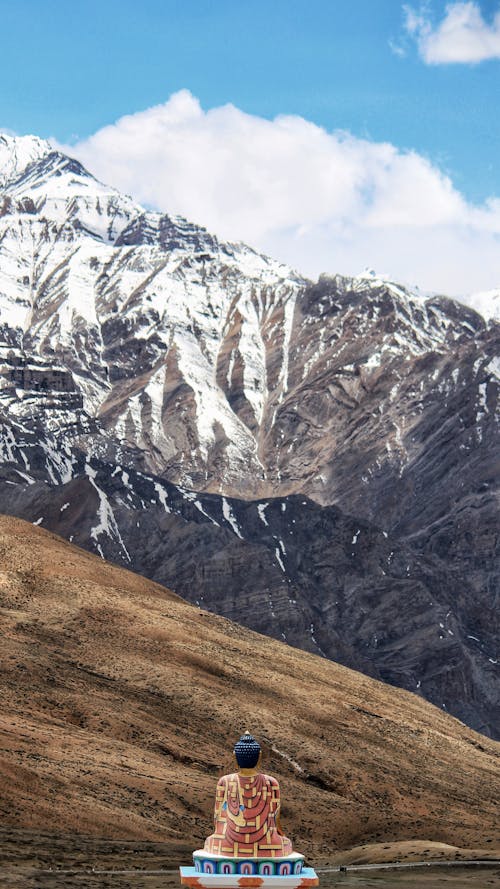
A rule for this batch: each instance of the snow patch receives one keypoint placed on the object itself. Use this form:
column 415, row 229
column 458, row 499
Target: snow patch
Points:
column 261, row 509
column 107, row 523
column 279, row 559
column 227, row 512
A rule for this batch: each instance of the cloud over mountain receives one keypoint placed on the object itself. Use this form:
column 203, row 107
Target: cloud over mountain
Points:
column 321, row 201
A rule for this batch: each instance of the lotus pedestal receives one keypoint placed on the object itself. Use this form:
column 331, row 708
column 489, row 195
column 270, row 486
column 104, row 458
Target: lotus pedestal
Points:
column 220, row 872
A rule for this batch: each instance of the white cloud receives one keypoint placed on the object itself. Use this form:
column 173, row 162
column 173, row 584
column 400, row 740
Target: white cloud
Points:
column 317, row 200
column 462, row 36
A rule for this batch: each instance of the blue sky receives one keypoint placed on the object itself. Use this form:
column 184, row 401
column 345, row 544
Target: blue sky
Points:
column 68, row 70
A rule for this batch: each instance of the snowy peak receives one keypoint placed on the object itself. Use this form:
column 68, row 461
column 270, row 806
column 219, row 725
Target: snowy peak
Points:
column 147, row 311
column 52, row 167
column 17, row 153
column 54, row 198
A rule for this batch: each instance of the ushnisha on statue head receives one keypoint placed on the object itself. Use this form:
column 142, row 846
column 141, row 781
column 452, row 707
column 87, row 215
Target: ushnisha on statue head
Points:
column 247, row 753
column 248, row 841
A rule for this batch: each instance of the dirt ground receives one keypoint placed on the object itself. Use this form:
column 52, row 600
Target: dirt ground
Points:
column 432, row 878
column 31, row 860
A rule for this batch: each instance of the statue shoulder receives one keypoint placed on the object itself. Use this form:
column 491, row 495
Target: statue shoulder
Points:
column 271, row 780
column 226, row 779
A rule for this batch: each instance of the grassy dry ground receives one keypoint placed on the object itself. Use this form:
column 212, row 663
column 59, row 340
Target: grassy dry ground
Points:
column 432, row 878
column 413, row 850
column 119, row 703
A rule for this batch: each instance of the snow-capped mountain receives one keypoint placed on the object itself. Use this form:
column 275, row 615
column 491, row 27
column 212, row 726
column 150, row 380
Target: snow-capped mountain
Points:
column 149, row 373
column 155, row 318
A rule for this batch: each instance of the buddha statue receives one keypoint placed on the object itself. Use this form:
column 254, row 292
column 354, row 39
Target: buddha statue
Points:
column 247, row 841
column 247, row 805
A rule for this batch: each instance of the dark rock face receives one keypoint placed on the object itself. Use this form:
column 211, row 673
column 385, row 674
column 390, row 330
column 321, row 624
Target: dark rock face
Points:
column 318, row 462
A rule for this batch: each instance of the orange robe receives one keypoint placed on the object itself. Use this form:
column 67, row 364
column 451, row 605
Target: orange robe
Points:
column 246, row 818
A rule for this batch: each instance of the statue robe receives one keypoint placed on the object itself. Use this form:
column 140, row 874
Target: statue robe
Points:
column 246, row 818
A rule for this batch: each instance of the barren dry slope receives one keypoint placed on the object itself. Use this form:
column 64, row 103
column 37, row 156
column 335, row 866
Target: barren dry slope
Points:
column 119, row 703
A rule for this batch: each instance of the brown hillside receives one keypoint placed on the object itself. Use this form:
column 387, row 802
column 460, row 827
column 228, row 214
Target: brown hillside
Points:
column 119, row 703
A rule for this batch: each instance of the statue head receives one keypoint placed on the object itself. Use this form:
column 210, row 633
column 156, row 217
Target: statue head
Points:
column 247, row 751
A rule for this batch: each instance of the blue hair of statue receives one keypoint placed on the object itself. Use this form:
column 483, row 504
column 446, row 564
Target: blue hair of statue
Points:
column 247, row 751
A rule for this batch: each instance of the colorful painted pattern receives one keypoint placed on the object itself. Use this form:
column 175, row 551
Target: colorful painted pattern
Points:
column 196, row 880
column 262, row 867
column 246, row 818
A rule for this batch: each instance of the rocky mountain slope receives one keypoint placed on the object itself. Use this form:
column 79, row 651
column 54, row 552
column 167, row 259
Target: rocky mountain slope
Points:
column 319, row 461
column 100, row 667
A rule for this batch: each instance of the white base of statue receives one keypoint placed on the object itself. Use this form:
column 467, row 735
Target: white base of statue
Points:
column 194, row 878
